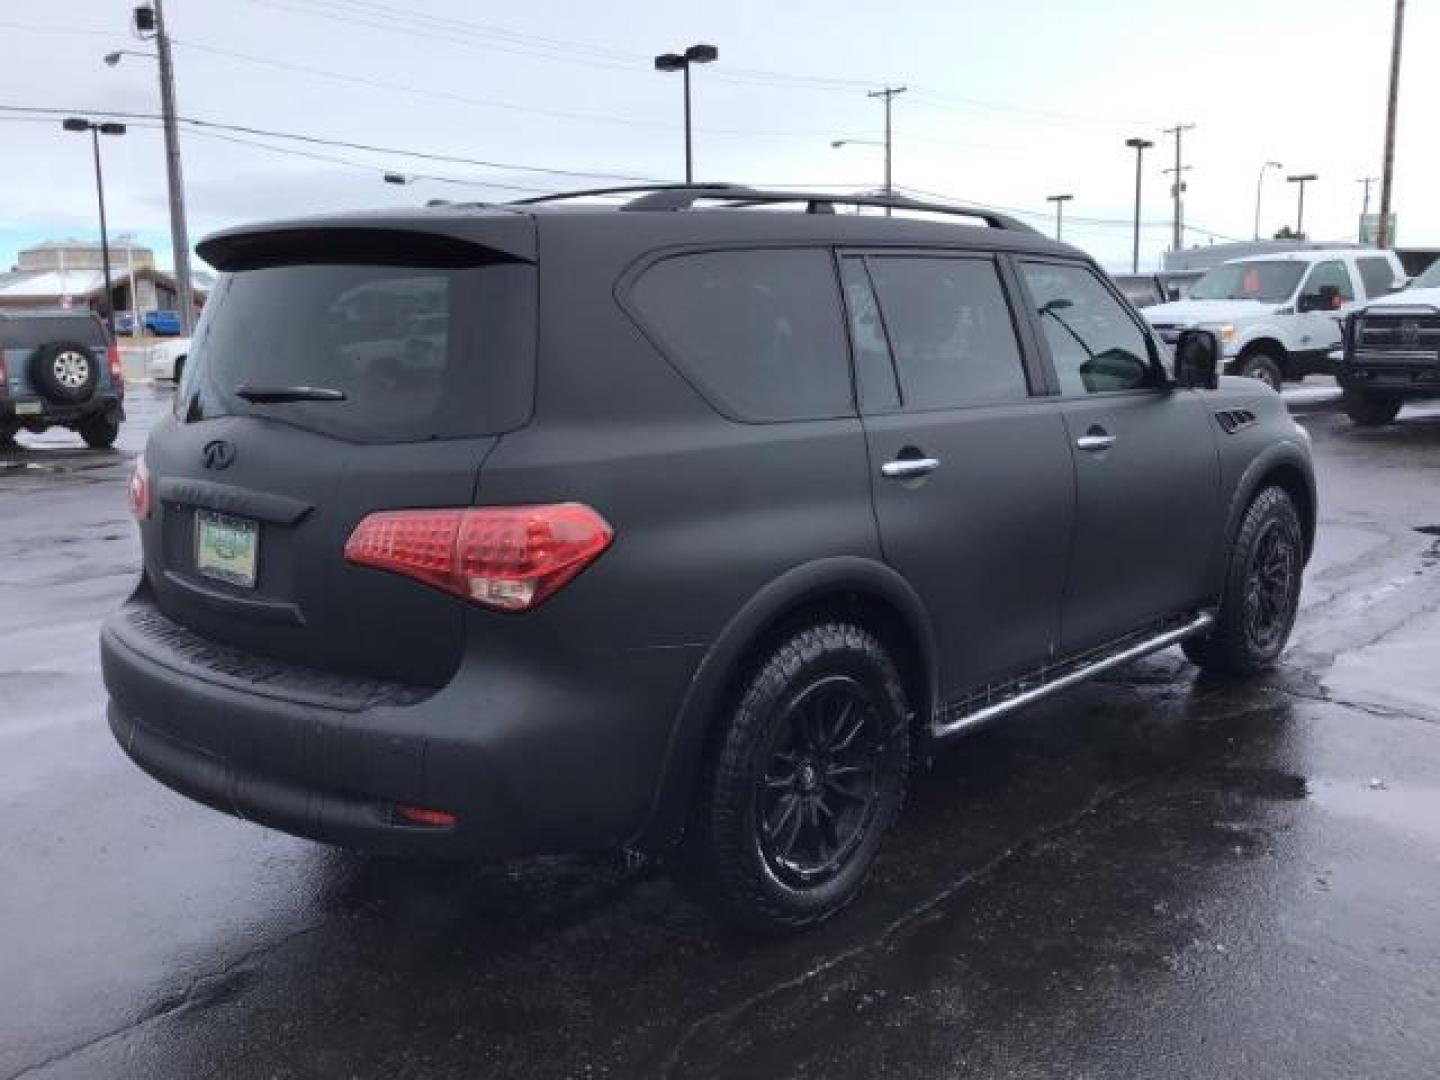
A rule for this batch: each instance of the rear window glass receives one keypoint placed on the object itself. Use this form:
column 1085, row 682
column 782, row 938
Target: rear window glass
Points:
column 1378, row 276
column 417, row 352
column 20, row 332
column 761, row 332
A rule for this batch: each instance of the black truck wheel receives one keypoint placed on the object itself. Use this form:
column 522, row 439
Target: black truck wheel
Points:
column 809, row 775
column 1261, row 592
column 1370, row 408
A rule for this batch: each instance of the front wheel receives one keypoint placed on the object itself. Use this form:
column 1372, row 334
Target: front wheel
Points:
column 809, row 774
column 1265, row 368
column 1369, row 408
column 1262, row 590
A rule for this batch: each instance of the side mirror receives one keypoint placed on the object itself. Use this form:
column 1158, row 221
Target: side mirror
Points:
column 1197, row 360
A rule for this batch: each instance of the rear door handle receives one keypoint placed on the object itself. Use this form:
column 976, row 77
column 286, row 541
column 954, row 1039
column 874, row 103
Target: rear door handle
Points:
column 909, row 468
column 1095, row 443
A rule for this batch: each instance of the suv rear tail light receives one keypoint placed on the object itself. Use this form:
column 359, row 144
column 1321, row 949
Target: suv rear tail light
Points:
column 112, row 356
column 4, row 375
column 140, row 491
column 511, row 558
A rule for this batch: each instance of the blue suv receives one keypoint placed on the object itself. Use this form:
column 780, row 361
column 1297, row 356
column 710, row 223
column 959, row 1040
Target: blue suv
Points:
column 59, row 369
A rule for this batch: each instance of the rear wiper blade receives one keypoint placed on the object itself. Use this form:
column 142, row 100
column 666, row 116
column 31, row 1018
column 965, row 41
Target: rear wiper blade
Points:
column 268, row 395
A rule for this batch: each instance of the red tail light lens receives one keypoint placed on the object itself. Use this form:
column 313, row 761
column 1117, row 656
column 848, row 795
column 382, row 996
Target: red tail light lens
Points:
column 140, row 491
column 112, row 355
column 511, row 558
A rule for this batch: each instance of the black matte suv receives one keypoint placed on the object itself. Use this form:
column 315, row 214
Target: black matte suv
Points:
column 59, row 368
column 685, row 526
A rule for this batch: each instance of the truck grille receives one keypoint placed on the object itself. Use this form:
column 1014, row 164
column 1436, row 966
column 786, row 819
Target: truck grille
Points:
column 1399, row 335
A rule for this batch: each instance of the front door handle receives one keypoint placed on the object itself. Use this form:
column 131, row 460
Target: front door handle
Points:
column 1095, row 440
column 909, row 468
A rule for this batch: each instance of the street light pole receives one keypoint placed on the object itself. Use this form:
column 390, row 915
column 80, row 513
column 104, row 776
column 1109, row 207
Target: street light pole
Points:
column 1258, row 184
column 1302, row 180
column 76, row 123
column 1139, row 146
column 1383, row 237
column 695, row 54
column 1059, row 201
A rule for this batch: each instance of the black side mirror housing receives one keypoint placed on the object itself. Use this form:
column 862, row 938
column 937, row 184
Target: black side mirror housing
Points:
column 1325, row 298
column 1197, row 360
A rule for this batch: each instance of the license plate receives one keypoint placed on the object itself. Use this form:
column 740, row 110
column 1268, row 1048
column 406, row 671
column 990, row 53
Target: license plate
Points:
column 226, row 548
column 28, row 408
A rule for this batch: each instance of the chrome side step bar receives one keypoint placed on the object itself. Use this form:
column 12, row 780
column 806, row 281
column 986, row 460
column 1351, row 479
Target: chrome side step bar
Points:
column 942, row 728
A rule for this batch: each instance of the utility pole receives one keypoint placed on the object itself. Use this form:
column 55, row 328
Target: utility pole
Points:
column 1177, row 238
column 179, row 234
column 1365, row 203
column 1383, row 237
column 1059, row 201
column 888, row 94
column 1139, row 146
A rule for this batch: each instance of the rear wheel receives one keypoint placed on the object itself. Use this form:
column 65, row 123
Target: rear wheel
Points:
column 1369, row 408
column 809, row 775
column 1262, row 590
column 1264, row 367
column 99, row 432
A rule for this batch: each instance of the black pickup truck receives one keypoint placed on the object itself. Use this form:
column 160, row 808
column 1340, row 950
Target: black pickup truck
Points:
column 1392, row 352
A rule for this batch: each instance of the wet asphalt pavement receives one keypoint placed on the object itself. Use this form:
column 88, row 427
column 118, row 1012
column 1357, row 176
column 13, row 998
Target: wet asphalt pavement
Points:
column 1156, row 875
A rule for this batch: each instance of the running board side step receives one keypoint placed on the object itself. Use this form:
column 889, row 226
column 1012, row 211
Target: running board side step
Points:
column 943, row 728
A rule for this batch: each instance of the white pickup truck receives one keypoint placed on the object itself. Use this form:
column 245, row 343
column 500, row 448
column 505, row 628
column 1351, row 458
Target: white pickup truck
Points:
column 1279, row 316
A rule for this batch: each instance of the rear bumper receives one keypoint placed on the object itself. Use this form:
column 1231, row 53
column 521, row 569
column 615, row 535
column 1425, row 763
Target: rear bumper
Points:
column 529, row 761
column 40, row 410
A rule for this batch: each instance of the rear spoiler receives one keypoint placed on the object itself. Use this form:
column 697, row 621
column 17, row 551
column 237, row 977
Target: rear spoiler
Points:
column 453, row 241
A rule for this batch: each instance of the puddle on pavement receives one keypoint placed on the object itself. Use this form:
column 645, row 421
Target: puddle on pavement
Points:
column 1406, row 808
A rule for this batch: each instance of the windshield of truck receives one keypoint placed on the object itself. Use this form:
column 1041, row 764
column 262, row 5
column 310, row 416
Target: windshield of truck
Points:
column 1270, row 282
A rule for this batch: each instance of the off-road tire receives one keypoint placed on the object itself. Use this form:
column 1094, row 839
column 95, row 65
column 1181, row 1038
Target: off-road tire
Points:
column 99, row 432
column 1233, row 646
column 1370, row 408
column 728, row 856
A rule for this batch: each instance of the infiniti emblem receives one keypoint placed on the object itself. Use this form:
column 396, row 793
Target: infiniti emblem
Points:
column 219, row 454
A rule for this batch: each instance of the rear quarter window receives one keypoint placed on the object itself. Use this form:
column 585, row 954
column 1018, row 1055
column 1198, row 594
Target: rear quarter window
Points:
column 1377, row 275
column 759, row 332
column 30, row 333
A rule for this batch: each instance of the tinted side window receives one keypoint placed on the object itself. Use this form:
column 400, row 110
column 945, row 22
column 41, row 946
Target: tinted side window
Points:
column 1094, row 343
column 761, row 332
column 951, row 331
column 874, row 368
column 1331, row 273
column 1377, row 274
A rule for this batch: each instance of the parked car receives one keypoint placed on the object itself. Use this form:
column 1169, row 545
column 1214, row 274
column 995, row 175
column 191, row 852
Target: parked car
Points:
column 163, row 323
column 705, row 561
column 1147, row 290
column 59, row 369
column 1392, row 352
column 1278, row 316
column 165, row 360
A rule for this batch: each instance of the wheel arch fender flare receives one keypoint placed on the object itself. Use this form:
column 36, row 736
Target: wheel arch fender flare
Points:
column 1288, row 465
column 810, row 586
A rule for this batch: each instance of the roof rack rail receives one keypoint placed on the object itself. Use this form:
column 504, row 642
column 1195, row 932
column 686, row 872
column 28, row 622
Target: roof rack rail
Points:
column 685, row 196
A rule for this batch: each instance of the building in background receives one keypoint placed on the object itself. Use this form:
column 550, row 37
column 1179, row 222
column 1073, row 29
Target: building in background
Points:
column 70, row 273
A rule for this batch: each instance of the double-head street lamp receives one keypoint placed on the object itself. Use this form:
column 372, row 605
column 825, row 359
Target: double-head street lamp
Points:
column 1139, row 146
column 695, row 54
column 96, row 129
column 1258, row 184
column 1059, row 201
column 1301, row 179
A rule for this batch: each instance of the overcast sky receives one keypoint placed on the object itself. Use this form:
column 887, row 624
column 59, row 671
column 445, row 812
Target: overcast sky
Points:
column 1009, row 100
